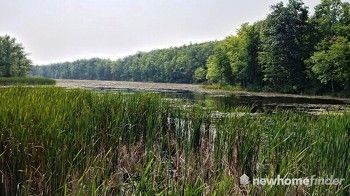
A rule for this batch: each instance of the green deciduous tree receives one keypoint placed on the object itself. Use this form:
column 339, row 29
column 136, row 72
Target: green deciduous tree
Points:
column 242, row 51
column 332, row 65
column 13, row 59
column 331, row 25
column 331, row 18
column 283, row 47
column 219, row 69
column 200, row 74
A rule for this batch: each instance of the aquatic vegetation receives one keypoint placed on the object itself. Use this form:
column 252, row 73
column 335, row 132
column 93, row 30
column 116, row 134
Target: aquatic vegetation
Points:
column 78, row 142
column 7, row 81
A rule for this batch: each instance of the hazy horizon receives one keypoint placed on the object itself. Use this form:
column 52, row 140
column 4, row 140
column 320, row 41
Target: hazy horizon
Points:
column 63, row 30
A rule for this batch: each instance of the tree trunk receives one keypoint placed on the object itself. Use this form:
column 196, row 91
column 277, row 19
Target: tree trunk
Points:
column 332, row 84
column 347, row 87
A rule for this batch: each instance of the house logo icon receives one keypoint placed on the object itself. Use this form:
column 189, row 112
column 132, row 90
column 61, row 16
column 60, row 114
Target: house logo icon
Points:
column 244, row 180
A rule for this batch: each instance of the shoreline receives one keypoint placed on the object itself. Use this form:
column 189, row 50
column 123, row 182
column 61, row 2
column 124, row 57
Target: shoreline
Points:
column 178, row 87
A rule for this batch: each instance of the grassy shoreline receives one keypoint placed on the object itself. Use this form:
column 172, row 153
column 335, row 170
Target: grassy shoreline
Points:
column 16, row 81
column 235, row 89
column 57, row 141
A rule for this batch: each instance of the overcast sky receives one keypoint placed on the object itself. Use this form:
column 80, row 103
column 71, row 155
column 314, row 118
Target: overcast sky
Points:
column 66, row 30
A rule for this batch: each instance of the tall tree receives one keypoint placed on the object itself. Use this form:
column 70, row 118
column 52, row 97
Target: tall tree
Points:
column 331, row 19
column 200, row 74
column 332, row 65
column 329, row 63
column 283, row 48
column 13, row 59
column 219, row 69
column 242, row 50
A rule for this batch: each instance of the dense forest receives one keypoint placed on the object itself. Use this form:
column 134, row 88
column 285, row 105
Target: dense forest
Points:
column 289, row 51
column 165, row 65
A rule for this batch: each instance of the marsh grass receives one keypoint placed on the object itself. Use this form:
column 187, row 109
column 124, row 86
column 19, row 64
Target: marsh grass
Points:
column 77, row 142
column 16, row 81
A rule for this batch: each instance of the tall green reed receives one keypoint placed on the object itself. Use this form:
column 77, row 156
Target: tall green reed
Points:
column 78, row 142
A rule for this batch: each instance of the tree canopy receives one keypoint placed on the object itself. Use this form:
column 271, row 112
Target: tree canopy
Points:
column 283, row 46
column 13, row 59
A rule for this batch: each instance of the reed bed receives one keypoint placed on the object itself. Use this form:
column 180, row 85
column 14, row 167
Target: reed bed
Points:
column 55, row 141
column 21, row 81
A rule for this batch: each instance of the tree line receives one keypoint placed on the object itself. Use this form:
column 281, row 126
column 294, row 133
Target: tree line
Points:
column 289, row 51
column 176, row 64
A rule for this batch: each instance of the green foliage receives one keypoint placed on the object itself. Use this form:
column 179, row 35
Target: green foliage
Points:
column 219, row 69
column 331, row 18
column 329, row 62
column 283, row 50
column 242, row 50
column 214, row 71
column 13, row 59
column 166, row 65
column 26, row 81
column 200, row 74
column 332, row 65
